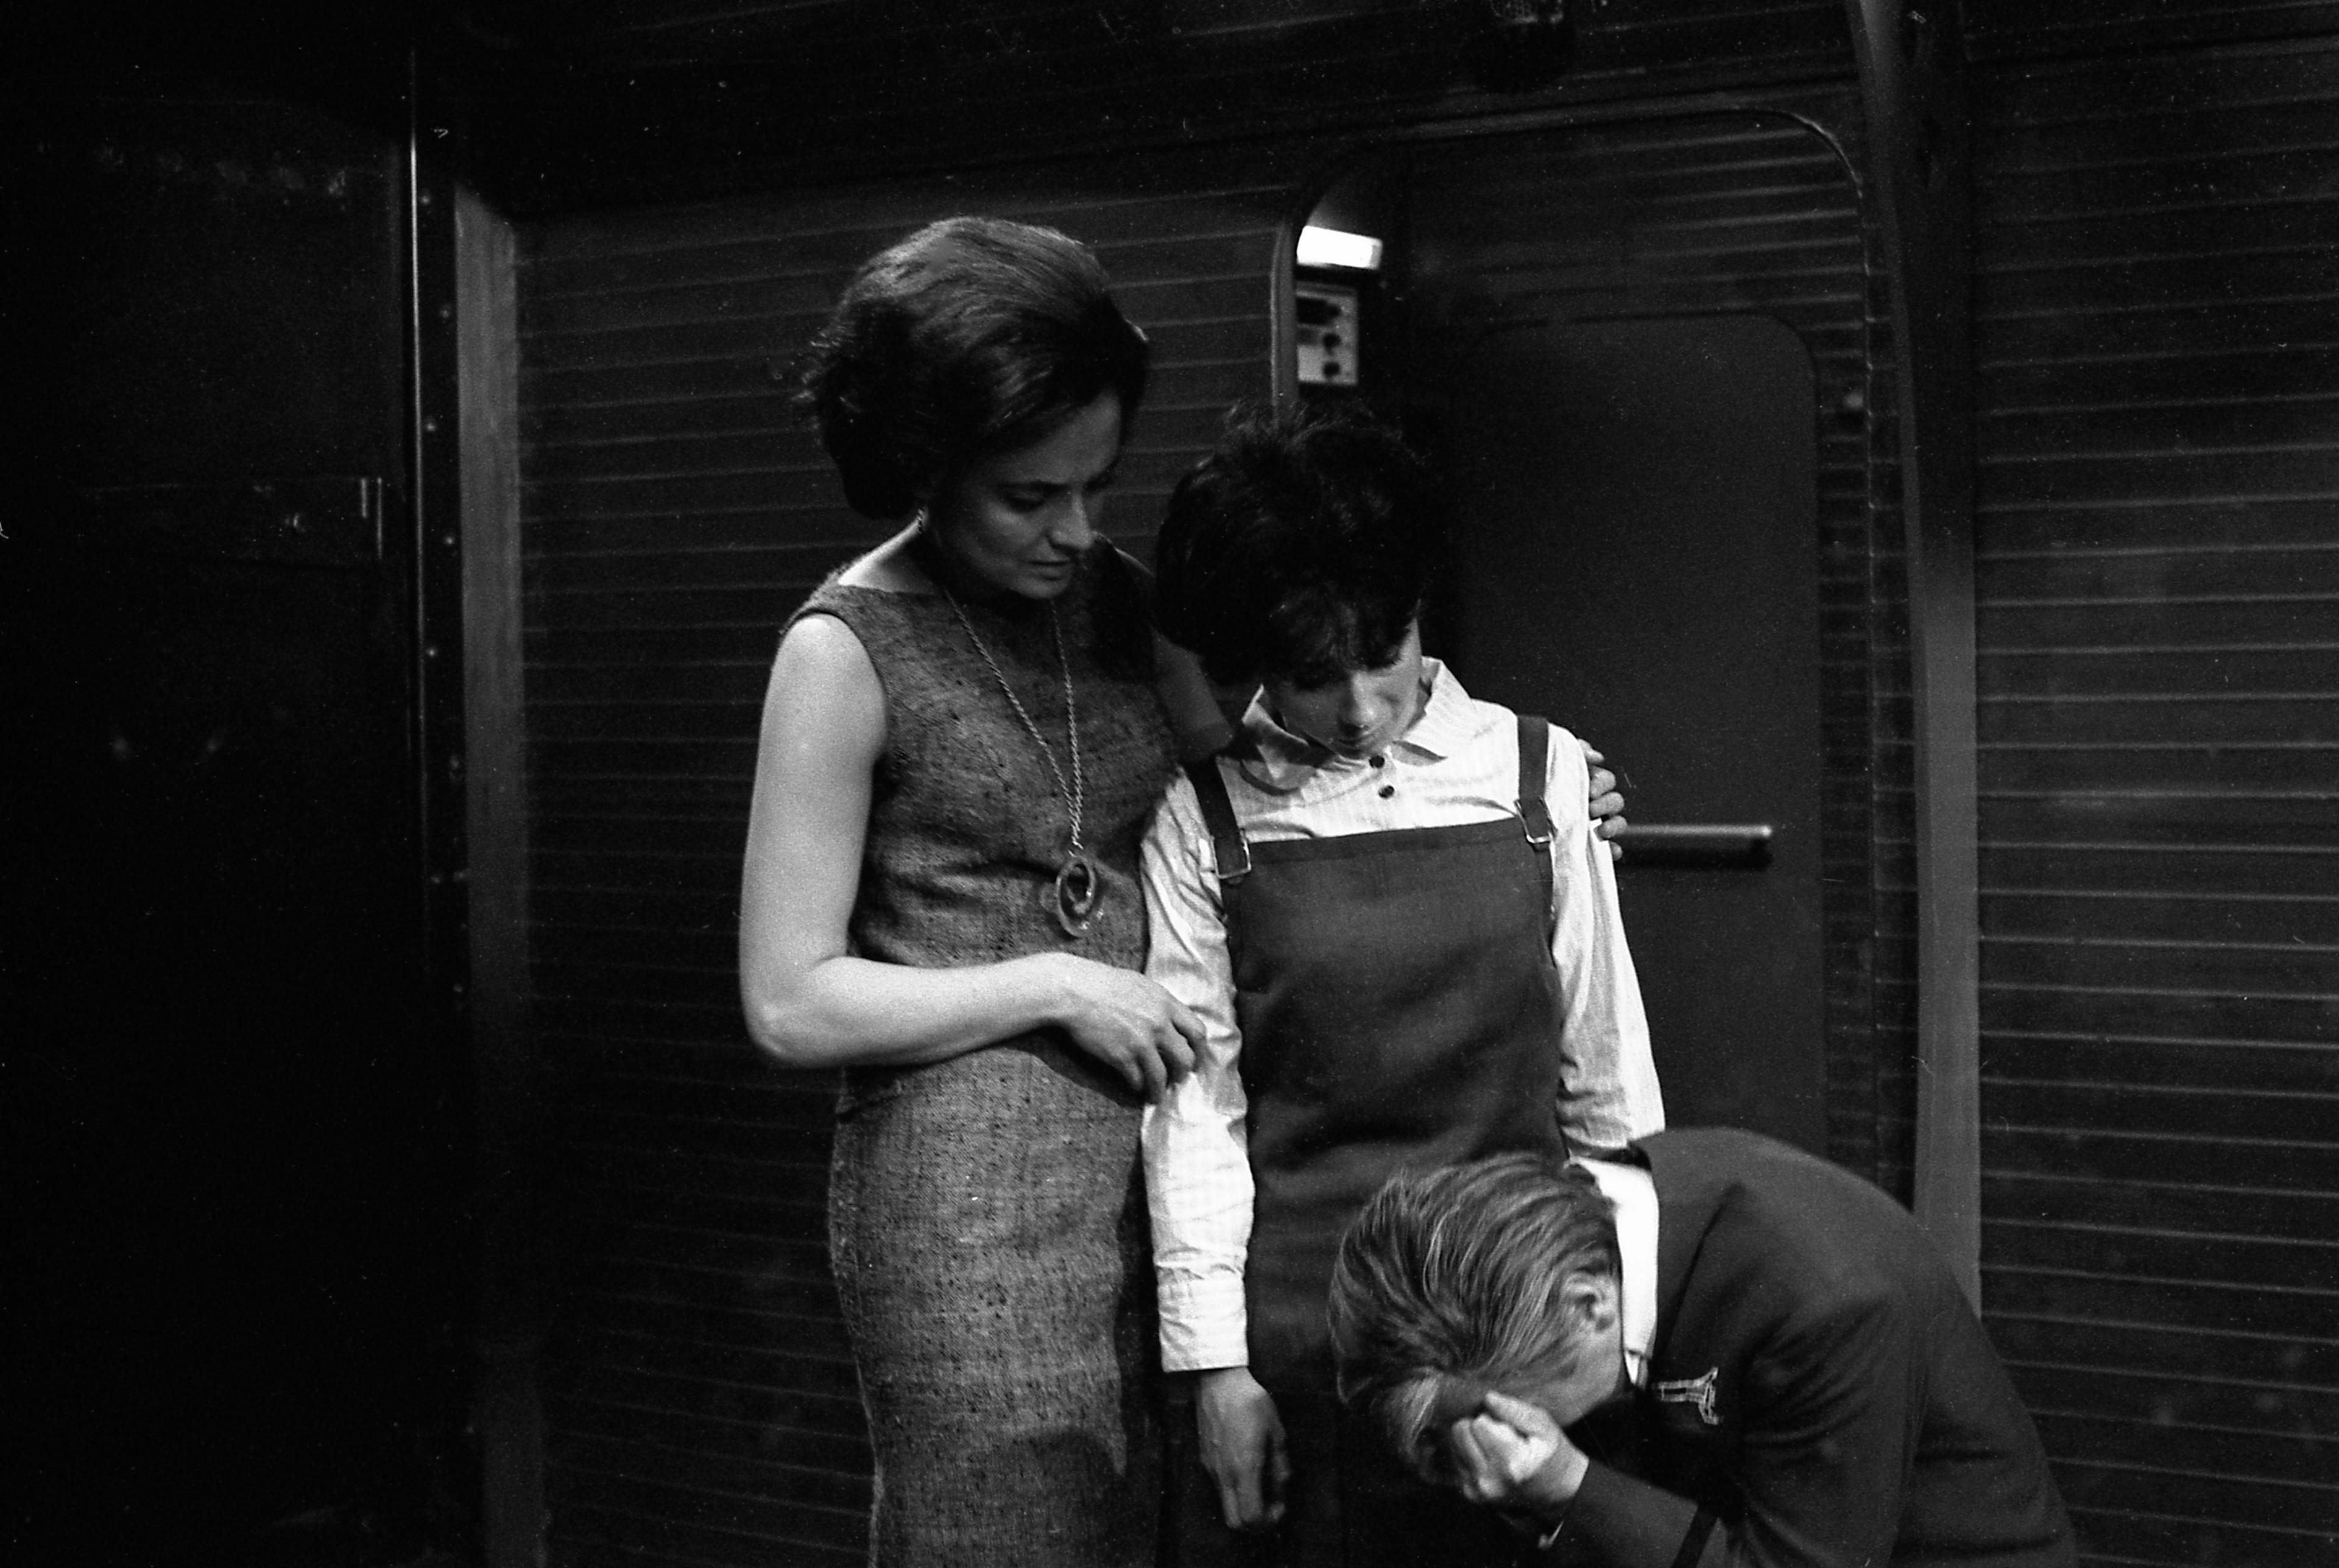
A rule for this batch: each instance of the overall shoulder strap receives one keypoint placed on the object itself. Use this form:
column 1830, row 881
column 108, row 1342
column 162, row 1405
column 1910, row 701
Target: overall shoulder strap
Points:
column 1219, row 816
column 1534, row 810
column 1535, row 761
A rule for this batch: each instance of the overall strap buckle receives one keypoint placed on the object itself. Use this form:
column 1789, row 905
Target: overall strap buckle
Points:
column 1233, row 851
column 1534, row 759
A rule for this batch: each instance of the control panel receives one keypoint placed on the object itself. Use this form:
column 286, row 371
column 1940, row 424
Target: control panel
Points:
column 1326, row 336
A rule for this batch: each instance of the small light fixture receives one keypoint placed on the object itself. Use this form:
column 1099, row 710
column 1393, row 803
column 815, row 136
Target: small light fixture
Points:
column 1337, row 248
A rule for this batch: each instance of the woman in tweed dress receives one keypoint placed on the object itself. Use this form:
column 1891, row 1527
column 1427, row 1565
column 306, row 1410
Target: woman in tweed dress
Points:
column 960, row 746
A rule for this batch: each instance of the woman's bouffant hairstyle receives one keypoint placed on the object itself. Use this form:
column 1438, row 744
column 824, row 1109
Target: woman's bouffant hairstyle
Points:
column 1451, row 1281
column 972, row 336
column 1300, row 549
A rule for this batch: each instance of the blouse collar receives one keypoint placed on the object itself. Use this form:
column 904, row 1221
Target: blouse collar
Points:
column 1280, row 760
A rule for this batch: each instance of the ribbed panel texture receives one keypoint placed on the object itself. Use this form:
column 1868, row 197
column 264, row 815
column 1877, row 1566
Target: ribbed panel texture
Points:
column 2000, row 30
column 698, row 97
column 2158, row 532
column 700, row 1400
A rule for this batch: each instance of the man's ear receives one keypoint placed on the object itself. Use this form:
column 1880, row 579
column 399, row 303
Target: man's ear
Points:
column 1590, row 1301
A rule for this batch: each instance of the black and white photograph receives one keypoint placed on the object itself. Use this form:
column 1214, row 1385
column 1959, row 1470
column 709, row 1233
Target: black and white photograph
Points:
column 1171, row 784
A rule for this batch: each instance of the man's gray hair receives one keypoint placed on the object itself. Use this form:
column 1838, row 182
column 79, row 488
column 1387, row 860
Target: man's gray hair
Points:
column 1449, row 1281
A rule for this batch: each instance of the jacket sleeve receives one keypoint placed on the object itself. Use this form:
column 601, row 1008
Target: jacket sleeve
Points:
column 1828, row 1431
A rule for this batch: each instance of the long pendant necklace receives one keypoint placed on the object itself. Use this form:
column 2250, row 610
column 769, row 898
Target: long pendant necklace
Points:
column 1079, row 887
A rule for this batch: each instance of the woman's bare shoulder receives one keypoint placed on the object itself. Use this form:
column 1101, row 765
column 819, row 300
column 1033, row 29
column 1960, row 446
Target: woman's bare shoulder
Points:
column 824, row 683
column 887, row 569
column 820, row 641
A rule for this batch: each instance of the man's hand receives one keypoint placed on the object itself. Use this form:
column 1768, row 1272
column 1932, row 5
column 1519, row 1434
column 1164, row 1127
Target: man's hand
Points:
column 1512, row 1454
column 1606, row 805
column 1242, row 1446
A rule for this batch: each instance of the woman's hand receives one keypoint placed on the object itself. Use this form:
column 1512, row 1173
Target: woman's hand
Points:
column 1606, row 803
column 1123, row 1020
column 1512, row 1454
column 1242, row 1446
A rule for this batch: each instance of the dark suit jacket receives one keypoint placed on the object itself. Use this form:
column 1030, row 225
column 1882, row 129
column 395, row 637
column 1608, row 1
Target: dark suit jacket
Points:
column 1819, row 1392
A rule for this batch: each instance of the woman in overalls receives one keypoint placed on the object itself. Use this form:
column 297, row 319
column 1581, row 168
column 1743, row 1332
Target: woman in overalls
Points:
column 1386, row 904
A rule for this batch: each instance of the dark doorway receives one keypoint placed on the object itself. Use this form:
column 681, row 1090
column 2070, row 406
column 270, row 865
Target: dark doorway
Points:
column 238, row 1272
column 224, row 1193
column 1639, row 563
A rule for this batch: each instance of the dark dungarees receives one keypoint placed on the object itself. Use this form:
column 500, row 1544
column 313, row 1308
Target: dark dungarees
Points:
column 1399, row 1008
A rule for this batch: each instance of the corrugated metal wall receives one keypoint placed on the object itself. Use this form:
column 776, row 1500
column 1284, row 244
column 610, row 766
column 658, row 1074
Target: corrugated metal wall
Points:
column 2158, row 531
column 699, row 1397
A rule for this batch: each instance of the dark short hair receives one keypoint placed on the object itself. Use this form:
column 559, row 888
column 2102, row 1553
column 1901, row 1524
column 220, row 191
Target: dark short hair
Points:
column 1302, row 547
column 1456, row 1276
column 972, row 336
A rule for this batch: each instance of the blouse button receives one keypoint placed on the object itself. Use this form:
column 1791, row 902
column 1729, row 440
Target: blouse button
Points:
column 1380, row 762
column 1387, row 790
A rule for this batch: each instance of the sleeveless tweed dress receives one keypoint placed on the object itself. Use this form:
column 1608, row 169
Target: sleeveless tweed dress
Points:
column 987, row 1213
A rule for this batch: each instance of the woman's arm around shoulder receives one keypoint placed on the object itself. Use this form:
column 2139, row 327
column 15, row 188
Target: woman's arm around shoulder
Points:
column 809, row 1000
column 1201, row 718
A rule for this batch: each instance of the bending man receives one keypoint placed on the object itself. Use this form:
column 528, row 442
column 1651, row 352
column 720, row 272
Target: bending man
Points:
column 1715, row 1351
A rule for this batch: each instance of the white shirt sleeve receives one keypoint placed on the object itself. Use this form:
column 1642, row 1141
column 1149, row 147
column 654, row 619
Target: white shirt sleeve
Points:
column 1198, row 1178
column 1608, row 1080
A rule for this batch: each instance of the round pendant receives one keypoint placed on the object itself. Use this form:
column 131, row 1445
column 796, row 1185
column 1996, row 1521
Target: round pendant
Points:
column 1080, row 888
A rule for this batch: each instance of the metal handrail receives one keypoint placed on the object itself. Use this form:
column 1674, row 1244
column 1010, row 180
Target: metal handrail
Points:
column 1719, row 844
